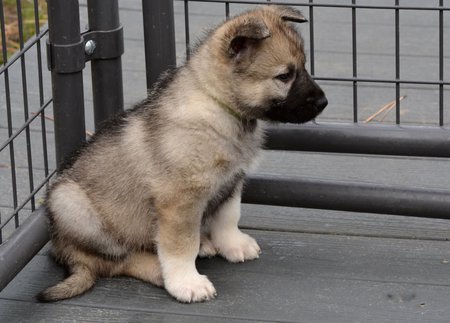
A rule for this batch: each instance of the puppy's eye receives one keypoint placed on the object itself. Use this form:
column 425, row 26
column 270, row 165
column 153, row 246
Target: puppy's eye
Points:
column 285, row 77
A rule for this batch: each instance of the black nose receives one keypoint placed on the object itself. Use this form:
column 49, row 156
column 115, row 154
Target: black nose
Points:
column 321, row 103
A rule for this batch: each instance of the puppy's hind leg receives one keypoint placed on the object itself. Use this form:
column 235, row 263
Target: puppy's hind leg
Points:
column 76, row 220
column 79, row 240
column 231, row 243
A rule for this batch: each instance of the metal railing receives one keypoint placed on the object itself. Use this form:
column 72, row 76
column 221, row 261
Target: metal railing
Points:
column 68, row 50
column 16, row 100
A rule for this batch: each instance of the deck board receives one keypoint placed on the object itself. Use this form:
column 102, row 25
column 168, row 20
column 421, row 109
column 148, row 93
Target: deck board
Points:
column 274, row 218
column 12, row 310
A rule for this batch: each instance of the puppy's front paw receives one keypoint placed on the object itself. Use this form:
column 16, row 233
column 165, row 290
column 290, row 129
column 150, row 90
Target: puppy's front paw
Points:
column 238, row 247
column 191, row 288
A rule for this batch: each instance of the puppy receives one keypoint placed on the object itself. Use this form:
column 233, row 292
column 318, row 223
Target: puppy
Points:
column 161, row 184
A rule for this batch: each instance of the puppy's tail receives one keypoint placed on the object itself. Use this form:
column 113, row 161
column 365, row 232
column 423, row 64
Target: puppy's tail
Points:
column 80, row 280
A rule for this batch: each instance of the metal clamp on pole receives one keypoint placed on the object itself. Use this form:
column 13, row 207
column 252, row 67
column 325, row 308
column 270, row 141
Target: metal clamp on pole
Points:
column 71, row 58
column 103, row 44
column 66, row 59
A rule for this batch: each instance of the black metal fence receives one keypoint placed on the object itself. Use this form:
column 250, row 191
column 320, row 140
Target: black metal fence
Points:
column 24, row 157
column 68, row 50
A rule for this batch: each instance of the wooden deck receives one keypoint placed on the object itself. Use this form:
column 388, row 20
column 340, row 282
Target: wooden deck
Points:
column 316, row 265
column 301, row 276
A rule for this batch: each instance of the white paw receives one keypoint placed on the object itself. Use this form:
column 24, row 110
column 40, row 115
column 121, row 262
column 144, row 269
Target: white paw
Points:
column 238, row 247
column 207, row 249
column 191, row 288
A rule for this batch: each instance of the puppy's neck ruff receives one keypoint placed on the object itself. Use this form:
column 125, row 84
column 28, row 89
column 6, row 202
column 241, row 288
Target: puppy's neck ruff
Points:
column 247, row 124
column 227, row 108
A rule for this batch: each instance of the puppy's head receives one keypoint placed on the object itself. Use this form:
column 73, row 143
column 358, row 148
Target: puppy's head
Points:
column 258, row 67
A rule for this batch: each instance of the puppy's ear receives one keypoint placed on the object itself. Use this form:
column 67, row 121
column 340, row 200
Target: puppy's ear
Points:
column 290, row 14
column 246, row 35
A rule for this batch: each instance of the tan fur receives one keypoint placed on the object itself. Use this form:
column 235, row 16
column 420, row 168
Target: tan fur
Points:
column 149, row 194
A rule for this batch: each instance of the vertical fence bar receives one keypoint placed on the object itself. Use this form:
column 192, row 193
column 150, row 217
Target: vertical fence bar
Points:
column 25, row 105
column 159, row 37
column 355, row 65
column 41, row 87
column 227, row 10
column 186, row 29
column 9, row 114
column 68, row 98
column 311, row 37
column 397, row 63
column 107, row 85
column 441, row 63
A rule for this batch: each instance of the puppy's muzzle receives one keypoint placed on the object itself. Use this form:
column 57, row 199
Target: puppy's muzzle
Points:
column 318, row 102
column 304, row 102
column 315, row 97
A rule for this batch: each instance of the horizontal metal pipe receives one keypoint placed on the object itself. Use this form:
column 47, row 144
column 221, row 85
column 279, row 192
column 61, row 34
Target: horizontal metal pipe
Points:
column 23, row 244
column 33, row 234
column 361, row 139
column 347, row 196
column 388, row 81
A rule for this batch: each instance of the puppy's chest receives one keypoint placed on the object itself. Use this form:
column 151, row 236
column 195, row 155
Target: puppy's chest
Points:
column 223, row 192
column 232, row 164
column 239, row 153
